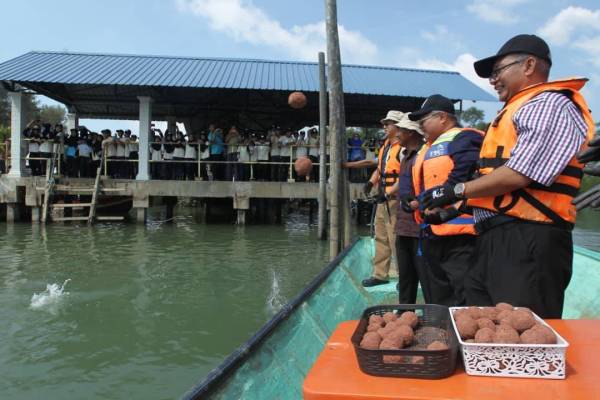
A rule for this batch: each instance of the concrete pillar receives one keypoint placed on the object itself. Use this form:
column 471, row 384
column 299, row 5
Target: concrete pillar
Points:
column 141, row 214
column 35, row 214
column 144, row 130
column 12, row 212
column 17, row 125
column 72, row 121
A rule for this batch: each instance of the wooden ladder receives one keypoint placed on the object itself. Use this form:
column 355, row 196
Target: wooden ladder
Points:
column 95, row 191
column 48, row 189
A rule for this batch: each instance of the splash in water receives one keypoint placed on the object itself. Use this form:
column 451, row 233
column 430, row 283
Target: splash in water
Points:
column 50, row 299
column 275, row 300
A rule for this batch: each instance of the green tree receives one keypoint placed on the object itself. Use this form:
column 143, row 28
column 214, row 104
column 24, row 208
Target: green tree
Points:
column 52, row 114
column 473, row 117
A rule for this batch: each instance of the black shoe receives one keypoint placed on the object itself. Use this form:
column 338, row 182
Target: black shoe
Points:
column 373, row 282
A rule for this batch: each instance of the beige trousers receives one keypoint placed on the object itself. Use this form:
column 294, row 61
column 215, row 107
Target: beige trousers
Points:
column 385, row 239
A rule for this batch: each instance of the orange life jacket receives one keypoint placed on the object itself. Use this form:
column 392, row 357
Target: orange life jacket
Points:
column 536, row 202
column 432, row 168
column 389, row 177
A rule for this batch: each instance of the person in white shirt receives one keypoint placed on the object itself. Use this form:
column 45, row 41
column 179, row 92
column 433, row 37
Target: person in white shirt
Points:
column 156, row 157
column 243, row 169
column 285, row 153
column 121, row 147
column 85, row 154
column 313, row 153
column 134, row 155
column 273, row 138
column 204, row 149
column 33, row 134
column 191, row 156
column 179, row 155
column 262, row 156
column 232, row 140
column 46, row 145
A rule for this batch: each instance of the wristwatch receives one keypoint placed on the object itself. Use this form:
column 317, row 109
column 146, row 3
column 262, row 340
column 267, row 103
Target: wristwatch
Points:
column 459, row 190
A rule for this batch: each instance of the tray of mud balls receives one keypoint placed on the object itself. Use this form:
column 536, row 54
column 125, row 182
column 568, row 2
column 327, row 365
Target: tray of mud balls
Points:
column 412, row 341
column 508, row 341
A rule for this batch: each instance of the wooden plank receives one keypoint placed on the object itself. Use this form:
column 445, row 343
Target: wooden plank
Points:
column 68, row 205
column 70, row 219
column 110, row 218
column 92, row 213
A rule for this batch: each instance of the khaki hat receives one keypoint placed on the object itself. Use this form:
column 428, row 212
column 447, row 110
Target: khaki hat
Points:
column 406, row 123
column 393, row 116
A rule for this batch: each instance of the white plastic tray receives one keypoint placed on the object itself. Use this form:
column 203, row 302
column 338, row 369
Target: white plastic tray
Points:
column 514, row 360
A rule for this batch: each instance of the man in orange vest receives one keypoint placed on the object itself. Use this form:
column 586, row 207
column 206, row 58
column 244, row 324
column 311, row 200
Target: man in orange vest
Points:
column 448, row 236
column 385, row 177
column 522, row 202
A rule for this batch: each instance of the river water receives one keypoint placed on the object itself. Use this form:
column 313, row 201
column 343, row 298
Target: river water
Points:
column 122, row 311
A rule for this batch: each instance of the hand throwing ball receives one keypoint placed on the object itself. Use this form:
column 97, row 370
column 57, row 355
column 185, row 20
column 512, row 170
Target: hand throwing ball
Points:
column 297, row 100
column 303, row 166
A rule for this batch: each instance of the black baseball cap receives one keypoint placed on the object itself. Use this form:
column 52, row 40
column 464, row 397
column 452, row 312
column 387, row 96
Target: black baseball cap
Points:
column 528, row 44
column 435, row 102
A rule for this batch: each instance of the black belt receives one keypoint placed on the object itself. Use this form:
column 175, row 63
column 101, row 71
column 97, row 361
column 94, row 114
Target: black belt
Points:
column 493, row 222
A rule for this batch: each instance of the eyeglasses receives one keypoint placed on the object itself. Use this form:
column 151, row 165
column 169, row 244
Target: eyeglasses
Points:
column 431, row 115
column 496, row 72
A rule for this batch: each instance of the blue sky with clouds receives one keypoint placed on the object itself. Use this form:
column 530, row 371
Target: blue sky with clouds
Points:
column 446, row 35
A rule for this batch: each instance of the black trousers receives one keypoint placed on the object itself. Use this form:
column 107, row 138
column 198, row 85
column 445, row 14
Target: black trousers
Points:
column 524, row 264
column 410, row 270
column 448, row 258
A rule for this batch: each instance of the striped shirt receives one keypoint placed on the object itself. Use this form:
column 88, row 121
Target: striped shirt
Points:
column 550, row 131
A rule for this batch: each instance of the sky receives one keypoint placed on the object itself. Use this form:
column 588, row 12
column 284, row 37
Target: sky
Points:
column 441, row 35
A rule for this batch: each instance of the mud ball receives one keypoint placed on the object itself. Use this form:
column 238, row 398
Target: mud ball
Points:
column 393, row 359
column 461, row 312
column 533, row 336
column 417, row 360
column 297, row 100
column 389, row 344
column 506, row 334
column 486, row 323
column 504, row 307
column 467, row 327
column 370, row 341
column 474, row 312
column 375, row 319
column 386, row 330
column 549, row 336
column 484, row 335
column 404, row 333
column 489, row 312
column 409, row 318
column 503, row 316
column 303, row 166
column 428, row 334
column 521, row 320
column 389, row 317
column 437, row 345
column 374, row 327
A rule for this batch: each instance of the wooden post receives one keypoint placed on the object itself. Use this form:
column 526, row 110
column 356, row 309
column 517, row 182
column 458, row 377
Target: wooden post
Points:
column 336, row 127
column 322, row 223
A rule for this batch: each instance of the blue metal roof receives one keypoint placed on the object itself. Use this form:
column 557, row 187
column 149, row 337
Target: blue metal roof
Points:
column 192, row 72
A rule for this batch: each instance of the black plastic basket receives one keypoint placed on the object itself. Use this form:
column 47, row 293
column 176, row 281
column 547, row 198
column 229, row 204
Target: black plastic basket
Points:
column 416, row 363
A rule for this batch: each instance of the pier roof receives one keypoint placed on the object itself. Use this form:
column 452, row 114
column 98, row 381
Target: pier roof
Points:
column 107, row 86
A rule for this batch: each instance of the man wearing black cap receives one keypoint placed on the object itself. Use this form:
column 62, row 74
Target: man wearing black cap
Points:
column 448, row 235
column 522, row 201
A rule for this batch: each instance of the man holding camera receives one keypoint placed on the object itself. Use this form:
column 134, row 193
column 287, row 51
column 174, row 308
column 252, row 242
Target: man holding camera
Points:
column 385, row 178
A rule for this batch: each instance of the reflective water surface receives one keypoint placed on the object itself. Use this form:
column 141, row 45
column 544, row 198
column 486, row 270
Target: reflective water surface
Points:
column 122, row 311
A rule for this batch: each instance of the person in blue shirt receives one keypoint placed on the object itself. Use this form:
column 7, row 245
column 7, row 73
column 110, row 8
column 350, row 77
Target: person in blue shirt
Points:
column 215, row 140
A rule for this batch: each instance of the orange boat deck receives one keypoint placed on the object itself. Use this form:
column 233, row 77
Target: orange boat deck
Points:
column 336, row 375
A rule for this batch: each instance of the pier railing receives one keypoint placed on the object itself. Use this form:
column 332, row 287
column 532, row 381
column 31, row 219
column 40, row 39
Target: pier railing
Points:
column 202, row 159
